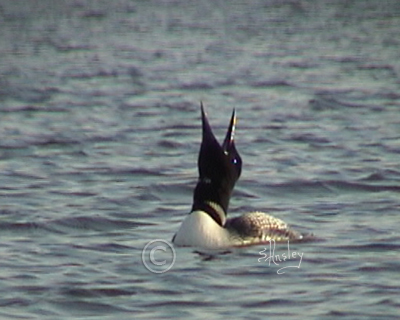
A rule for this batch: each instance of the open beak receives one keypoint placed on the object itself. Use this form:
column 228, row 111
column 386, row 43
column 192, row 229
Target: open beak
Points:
column 229, row 138
column 207, row 132
column 208, row 135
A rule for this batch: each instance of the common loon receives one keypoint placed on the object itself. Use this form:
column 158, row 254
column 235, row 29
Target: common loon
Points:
column 206, row 226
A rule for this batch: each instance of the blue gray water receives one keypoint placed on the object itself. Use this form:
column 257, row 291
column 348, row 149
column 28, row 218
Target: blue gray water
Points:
column 99, row 135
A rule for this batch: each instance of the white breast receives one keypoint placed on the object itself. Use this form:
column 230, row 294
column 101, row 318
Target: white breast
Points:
column 200, row 230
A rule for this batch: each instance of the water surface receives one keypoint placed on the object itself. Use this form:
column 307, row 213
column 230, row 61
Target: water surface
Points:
column 100, row 130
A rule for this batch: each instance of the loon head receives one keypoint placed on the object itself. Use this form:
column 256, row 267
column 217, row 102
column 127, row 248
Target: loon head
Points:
column 219, row 169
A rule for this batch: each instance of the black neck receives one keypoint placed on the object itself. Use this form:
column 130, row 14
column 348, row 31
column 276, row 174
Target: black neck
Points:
column 206, row 193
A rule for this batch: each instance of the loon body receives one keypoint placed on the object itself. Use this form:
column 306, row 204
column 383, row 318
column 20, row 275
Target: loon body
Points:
column 207, row 226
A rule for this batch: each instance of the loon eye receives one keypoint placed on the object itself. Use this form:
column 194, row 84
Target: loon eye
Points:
column 234, row 161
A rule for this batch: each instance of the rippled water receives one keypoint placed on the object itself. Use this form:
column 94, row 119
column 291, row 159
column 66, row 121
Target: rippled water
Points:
column 100, row 129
